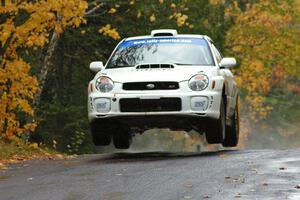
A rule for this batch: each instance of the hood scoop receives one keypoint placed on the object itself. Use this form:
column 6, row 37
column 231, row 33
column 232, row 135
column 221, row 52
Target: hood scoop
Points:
column 155, row 66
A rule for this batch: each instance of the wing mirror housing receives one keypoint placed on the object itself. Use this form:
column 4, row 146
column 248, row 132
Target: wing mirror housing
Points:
column 96, row 66
column 227, row 62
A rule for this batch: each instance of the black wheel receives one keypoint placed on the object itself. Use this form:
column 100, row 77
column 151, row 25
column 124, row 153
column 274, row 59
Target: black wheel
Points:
column 101, row 135
column 215, row 132
column 122, row 139
column 232, row 132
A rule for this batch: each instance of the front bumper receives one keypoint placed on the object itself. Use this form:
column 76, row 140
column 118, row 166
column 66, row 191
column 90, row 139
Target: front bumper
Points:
column 209, row 102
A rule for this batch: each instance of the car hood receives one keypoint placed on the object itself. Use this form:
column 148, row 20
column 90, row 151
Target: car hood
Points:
column 178, row 73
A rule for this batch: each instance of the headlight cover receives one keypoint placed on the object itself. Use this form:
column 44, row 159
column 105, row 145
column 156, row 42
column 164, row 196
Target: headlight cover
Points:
column 198, row 82
column 104, row 84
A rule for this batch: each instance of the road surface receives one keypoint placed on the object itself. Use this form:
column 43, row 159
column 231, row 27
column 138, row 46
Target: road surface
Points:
column 250, row 174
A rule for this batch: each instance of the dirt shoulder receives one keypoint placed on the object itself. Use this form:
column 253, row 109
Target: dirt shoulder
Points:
column 13, row 153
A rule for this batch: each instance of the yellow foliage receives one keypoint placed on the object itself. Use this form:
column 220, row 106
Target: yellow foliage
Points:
column 17, row 86
column 266, row 39
column 152, row 18
column 139, row 14
column 35, row 31
column 107, row 30
column 33, row 146
column 233, row 10
column 112, row 11
column 191, row 26
column 173, row 5
column 216, row 2
column 181, row 20
column 179, row 17
column 16, row 93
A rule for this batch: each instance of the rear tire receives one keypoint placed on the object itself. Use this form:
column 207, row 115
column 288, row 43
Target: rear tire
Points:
column 232, row 132
column 122, row 139
column 101, row 136
column 216, row 129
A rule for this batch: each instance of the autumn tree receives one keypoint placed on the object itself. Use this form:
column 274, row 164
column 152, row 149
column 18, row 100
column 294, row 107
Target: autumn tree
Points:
column 27, row 25
column 265, row 38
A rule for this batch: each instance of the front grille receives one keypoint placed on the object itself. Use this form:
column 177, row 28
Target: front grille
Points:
column 151, row 86
column 150, row 105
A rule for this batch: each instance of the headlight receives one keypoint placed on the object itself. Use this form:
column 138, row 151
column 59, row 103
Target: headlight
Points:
column 104, row 84
column 198, row 82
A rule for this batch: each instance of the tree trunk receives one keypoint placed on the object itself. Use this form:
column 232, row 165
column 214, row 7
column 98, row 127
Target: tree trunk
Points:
column 46, row 66
column 60, row 85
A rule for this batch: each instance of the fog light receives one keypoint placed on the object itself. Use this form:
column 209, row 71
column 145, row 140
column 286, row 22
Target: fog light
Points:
column 102, row 105
column 199, row 103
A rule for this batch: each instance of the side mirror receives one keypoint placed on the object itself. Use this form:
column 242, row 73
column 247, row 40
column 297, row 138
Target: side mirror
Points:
column 96, row 66
column 227, row 62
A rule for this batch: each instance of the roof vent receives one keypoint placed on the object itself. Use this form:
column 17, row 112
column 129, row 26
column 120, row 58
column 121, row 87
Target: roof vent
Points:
column 163, row 32
column 155, row 66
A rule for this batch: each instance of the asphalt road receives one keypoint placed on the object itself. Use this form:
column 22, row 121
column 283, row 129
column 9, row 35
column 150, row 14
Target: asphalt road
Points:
column 254, row 174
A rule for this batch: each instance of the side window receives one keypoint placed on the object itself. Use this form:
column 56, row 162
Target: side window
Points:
column 217, row 53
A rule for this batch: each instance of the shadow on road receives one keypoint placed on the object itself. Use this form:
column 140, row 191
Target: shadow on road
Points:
column 155, row 156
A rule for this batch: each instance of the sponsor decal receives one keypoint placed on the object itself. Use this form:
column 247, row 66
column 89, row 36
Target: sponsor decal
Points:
column 161, row 41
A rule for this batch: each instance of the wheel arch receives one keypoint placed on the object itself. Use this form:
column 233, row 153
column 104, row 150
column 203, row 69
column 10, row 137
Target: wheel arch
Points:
column 224, row 95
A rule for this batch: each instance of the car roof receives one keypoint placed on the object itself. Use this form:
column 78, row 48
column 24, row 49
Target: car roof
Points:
column 177, row 36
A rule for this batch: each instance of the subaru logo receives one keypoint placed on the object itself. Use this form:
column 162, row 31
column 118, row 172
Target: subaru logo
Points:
column 150, row 86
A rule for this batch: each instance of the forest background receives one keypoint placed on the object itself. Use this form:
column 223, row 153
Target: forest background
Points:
column 46, row 47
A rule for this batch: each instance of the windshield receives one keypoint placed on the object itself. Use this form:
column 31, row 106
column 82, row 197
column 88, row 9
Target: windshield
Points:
column 181, row 51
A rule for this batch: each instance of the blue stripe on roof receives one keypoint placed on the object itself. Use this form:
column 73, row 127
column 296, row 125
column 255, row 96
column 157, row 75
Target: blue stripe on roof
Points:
column 167, row 40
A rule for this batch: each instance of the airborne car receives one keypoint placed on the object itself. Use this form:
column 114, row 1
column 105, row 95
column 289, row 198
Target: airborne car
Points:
column 165, row 80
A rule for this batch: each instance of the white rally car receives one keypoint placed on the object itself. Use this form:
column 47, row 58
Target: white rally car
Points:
column 165, row 80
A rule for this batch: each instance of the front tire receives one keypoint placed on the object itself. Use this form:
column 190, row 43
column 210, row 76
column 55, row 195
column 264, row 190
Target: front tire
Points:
column 216, row 129
column 122, row 139
column 101, row 136
column 232, row 132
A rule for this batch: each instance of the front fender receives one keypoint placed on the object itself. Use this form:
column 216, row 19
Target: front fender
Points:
column 219, row 83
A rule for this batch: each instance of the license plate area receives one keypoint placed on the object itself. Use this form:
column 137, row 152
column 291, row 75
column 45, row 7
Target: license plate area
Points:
column 150, row 105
